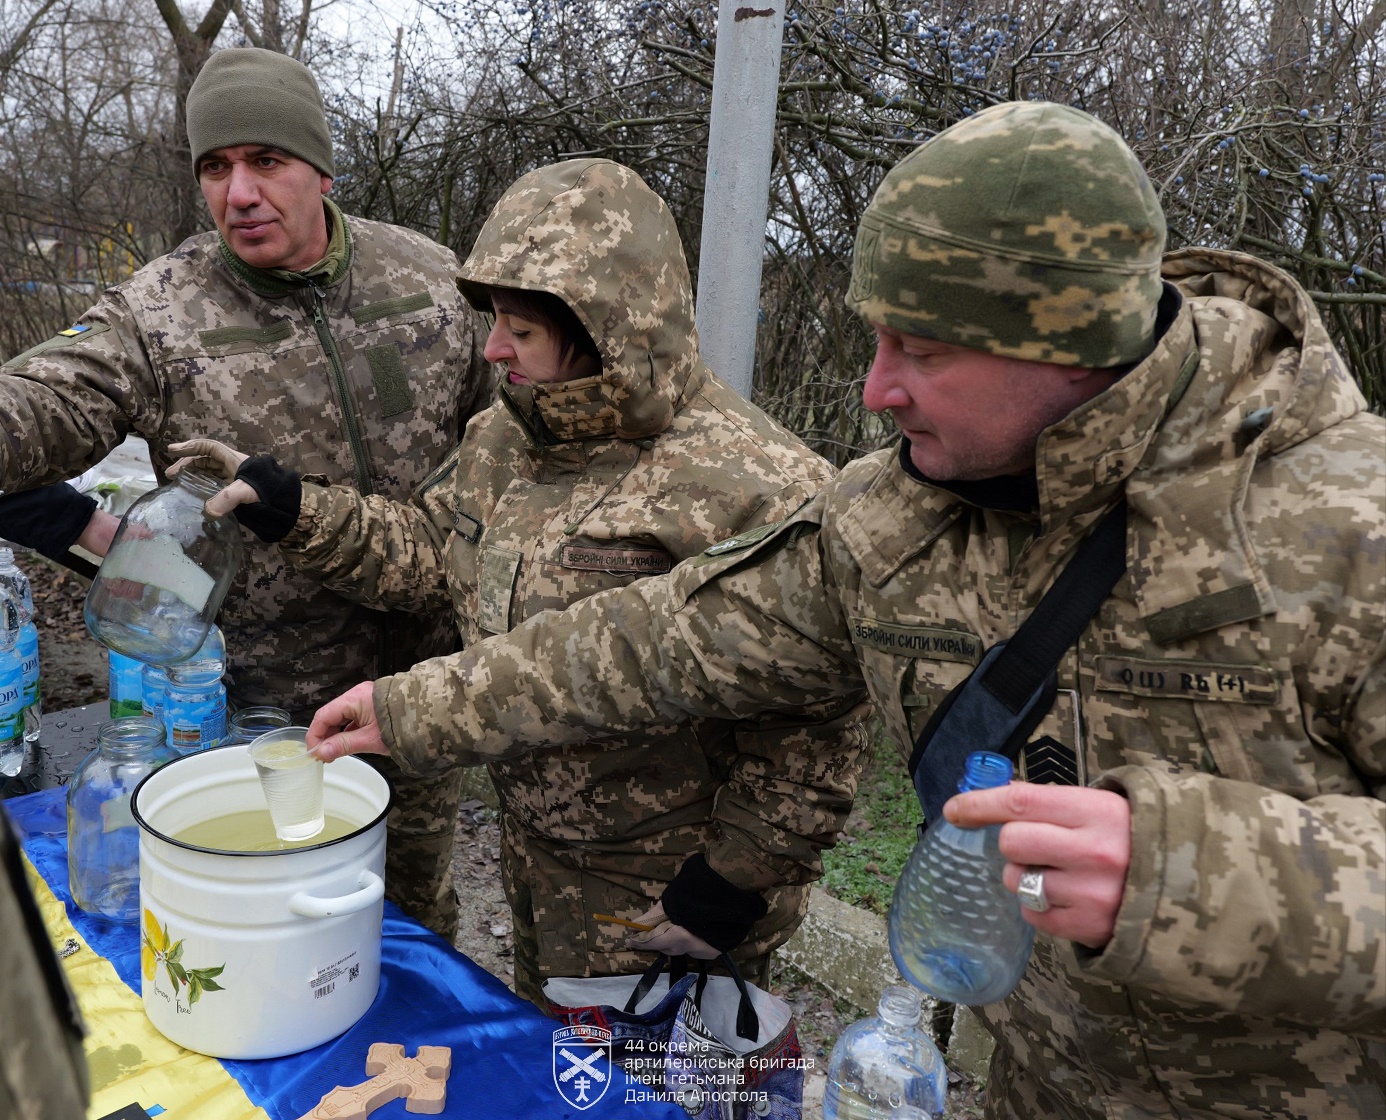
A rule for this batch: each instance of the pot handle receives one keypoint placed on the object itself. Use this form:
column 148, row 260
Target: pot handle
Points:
column 372, row 891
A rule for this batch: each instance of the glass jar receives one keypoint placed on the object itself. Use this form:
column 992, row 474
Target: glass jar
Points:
column 166, row 573
column 250, row 723
column 103, row 841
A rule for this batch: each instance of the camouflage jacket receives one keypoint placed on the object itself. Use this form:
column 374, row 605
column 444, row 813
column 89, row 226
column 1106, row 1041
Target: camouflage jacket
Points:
column 1232, row 685
column 573, row 488
column 366, row 379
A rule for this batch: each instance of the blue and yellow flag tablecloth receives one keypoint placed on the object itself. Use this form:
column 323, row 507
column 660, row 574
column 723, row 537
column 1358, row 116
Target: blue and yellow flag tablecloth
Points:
column 504, row 1054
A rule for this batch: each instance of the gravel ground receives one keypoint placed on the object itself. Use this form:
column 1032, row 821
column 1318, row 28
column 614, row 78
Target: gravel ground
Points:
column 74, row 673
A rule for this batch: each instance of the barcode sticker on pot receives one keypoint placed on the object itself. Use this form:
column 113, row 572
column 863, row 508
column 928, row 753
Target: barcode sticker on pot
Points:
column 324, row 982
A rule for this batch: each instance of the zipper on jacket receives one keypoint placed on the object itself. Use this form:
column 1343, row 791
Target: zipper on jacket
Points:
column 339, row 381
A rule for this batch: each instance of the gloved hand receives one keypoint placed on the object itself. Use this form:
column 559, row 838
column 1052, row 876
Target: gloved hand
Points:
column 701, row 913
column 264, row 496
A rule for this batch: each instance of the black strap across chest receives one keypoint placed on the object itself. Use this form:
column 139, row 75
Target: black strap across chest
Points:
column 1011, row 690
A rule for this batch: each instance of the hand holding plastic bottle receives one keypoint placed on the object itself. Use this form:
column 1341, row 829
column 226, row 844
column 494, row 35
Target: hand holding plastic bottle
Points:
column 1079, row 837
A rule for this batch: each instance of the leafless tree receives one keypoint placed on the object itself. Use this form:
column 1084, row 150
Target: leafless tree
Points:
column 1261, row 127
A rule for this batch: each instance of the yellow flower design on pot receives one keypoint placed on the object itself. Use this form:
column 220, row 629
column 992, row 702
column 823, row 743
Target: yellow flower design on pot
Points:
column 156, row 949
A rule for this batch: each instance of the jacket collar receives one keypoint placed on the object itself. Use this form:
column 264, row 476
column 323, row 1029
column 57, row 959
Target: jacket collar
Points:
column 330, row 270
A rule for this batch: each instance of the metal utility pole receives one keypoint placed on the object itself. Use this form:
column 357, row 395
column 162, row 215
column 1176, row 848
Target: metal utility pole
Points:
column 745, row 87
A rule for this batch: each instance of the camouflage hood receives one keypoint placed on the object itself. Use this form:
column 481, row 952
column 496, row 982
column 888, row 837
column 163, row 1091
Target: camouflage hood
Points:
column 592, row 233
column 1246, row 371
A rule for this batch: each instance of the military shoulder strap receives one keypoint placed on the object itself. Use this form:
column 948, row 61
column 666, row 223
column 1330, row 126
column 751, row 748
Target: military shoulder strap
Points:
column 1003, row 700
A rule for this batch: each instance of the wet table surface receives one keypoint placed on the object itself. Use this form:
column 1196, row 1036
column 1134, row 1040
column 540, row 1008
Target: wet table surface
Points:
column 66, row 738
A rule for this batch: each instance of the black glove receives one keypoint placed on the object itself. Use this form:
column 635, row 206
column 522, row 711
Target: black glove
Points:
column 281, row 495
column 49, row 520
column 711, row 907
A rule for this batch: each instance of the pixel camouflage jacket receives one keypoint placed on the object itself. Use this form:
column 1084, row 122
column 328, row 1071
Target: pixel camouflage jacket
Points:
column 563, row 490
column 1232, row 685
column 366, row 380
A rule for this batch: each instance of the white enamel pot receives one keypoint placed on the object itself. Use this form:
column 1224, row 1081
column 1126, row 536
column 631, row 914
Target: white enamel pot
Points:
column 257, row 954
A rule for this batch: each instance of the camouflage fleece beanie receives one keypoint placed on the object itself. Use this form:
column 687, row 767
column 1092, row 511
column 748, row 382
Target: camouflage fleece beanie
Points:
column 1029, row 230
column 245, row 95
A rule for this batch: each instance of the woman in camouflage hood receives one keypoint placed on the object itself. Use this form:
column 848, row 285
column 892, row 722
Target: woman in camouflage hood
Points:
column 613, row 453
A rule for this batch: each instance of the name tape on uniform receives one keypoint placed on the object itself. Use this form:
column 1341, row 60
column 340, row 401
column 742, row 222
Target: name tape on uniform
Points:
column 938, row 643
column 1188, row 680
column 596, row 558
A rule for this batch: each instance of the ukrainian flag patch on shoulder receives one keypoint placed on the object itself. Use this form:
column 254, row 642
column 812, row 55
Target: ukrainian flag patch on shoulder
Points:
column 74, row 331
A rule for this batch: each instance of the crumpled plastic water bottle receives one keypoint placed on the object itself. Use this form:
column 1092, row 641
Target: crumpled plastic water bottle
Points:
column 886, row 1063
column 955, row 930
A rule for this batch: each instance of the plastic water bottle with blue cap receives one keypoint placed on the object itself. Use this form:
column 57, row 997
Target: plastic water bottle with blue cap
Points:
column 955, row 930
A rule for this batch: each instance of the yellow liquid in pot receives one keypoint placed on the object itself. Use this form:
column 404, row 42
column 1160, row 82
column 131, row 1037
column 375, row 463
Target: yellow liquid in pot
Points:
column 253, row 831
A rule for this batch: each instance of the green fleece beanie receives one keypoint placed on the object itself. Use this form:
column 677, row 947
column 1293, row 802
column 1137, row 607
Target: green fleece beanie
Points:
column 245, row 95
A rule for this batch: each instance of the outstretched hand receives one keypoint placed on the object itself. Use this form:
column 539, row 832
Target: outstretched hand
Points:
column 667, row 938
column 1080, row 838
column 217, row 458
column 347, row 725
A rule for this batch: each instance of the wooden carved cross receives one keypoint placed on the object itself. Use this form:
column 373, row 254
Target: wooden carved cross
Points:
column 423, row 1079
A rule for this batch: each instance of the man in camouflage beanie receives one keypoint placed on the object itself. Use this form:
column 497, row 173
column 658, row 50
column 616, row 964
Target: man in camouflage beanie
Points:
column 1029, row 230
column 341, row 345
column 1202, row 835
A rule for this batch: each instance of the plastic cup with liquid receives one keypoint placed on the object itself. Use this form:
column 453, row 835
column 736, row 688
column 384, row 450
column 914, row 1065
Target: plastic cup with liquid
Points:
column 292, row 781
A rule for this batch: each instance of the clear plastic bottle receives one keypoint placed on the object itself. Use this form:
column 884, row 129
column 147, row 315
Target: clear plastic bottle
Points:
column 13, row 579
column 194, row 703
column 210, row 656
column 11, row 688
column 194, row 709
column 884, row 1063
column 103, row 846
column 166, row 573
column 126, row 686
column 153, row 691
column 955, row 930
column 250, row 723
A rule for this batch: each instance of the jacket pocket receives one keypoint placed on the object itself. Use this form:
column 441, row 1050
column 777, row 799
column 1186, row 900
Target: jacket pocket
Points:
column 500, row 567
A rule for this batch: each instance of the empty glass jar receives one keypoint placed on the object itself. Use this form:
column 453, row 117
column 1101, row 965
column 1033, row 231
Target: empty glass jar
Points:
column 103, row 841
column 166, row 573
column 250, row 723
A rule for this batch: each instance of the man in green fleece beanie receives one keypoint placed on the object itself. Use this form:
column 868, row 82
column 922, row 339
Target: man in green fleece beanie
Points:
column 262, row 154
column 341, row 345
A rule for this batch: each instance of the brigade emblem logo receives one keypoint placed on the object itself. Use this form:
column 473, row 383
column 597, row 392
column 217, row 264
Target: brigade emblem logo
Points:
column 582, row 1067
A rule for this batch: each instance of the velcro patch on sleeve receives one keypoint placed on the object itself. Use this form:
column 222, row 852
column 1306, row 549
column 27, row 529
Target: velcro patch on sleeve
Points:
column 80, row 332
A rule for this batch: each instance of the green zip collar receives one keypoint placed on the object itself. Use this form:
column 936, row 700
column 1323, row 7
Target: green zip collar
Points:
column 281, row 281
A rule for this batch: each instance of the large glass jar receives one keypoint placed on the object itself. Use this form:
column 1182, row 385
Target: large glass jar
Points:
column 165, row 574
column 103, row 841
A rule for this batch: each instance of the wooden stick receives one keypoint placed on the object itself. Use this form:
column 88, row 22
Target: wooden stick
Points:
column 613, row 920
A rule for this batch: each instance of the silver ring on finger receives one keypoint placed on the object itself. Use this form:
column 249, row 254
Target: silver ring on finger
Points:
column 1030, row 891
